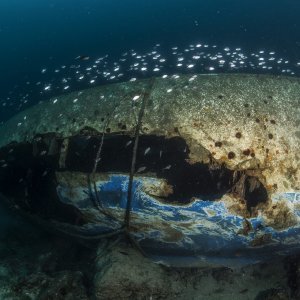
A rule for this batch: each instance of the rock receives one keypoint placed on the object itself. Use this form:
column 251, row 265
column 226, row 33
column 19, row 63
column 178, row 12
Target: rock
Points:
column 65, row 286
column 124, row 273
column 273, row 294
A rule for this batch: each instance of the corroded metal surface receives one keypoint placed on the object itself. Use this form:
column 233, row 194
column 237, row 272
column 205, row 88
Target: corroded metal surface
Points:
column 200, row 233
column 238, row 134
column 239, row 116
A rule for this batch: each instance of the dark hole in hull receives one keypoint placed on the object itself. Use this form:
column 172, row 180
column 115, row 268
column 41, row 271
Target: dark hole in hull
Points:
column 29, row 175
column 255, row 192
column 166, row 158
column 28, row 180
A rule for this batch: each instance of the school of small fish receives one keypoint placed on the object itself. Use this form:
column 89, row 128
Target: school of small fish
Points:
column 157, row 61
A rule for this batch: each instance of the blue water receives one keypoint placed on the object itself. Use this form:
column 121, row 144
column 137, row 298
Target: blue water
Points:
column 44, row 33
column 40, row 37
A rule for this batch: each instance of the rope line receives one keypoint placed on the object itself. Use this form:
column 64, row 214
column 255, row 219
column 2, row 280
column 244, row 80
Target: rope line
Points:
column 125, row 227
column 92, row 183
column 146, row 96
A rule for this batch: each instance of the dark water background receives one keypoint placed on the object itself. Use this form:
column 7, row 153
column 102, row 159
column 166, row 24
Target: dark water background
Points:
column 40, row 33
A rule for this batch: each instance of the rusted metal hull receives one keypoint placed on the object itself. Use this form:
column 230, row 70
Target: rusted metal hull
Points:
column 211, row 166
column 201, row 233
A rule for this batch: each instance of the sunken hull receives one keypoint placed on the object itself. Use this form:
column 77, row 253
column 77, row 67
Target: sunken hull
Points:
column 197, row 171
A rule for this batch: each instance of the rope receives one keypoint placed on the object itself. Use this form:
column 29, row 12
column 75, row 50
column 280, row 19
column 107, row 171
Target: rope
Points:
column 98, row 156
column 97, row 202
column 134, row 153
column 125, row 227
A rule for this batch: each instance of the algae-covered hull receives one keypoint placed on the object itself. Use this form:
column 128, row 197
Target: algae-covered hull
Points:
column 208, row 163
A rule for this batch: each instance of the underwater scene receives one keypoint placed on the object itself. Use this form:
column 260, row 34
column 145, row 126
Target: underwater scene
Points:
column 150, row 149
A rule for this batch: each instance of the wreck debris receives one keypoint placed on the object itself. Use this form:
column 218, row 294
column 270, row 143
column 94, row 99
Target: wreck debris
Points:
column 63, row 153
column 247, row 227
column 261, row 240
column 280, row 215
